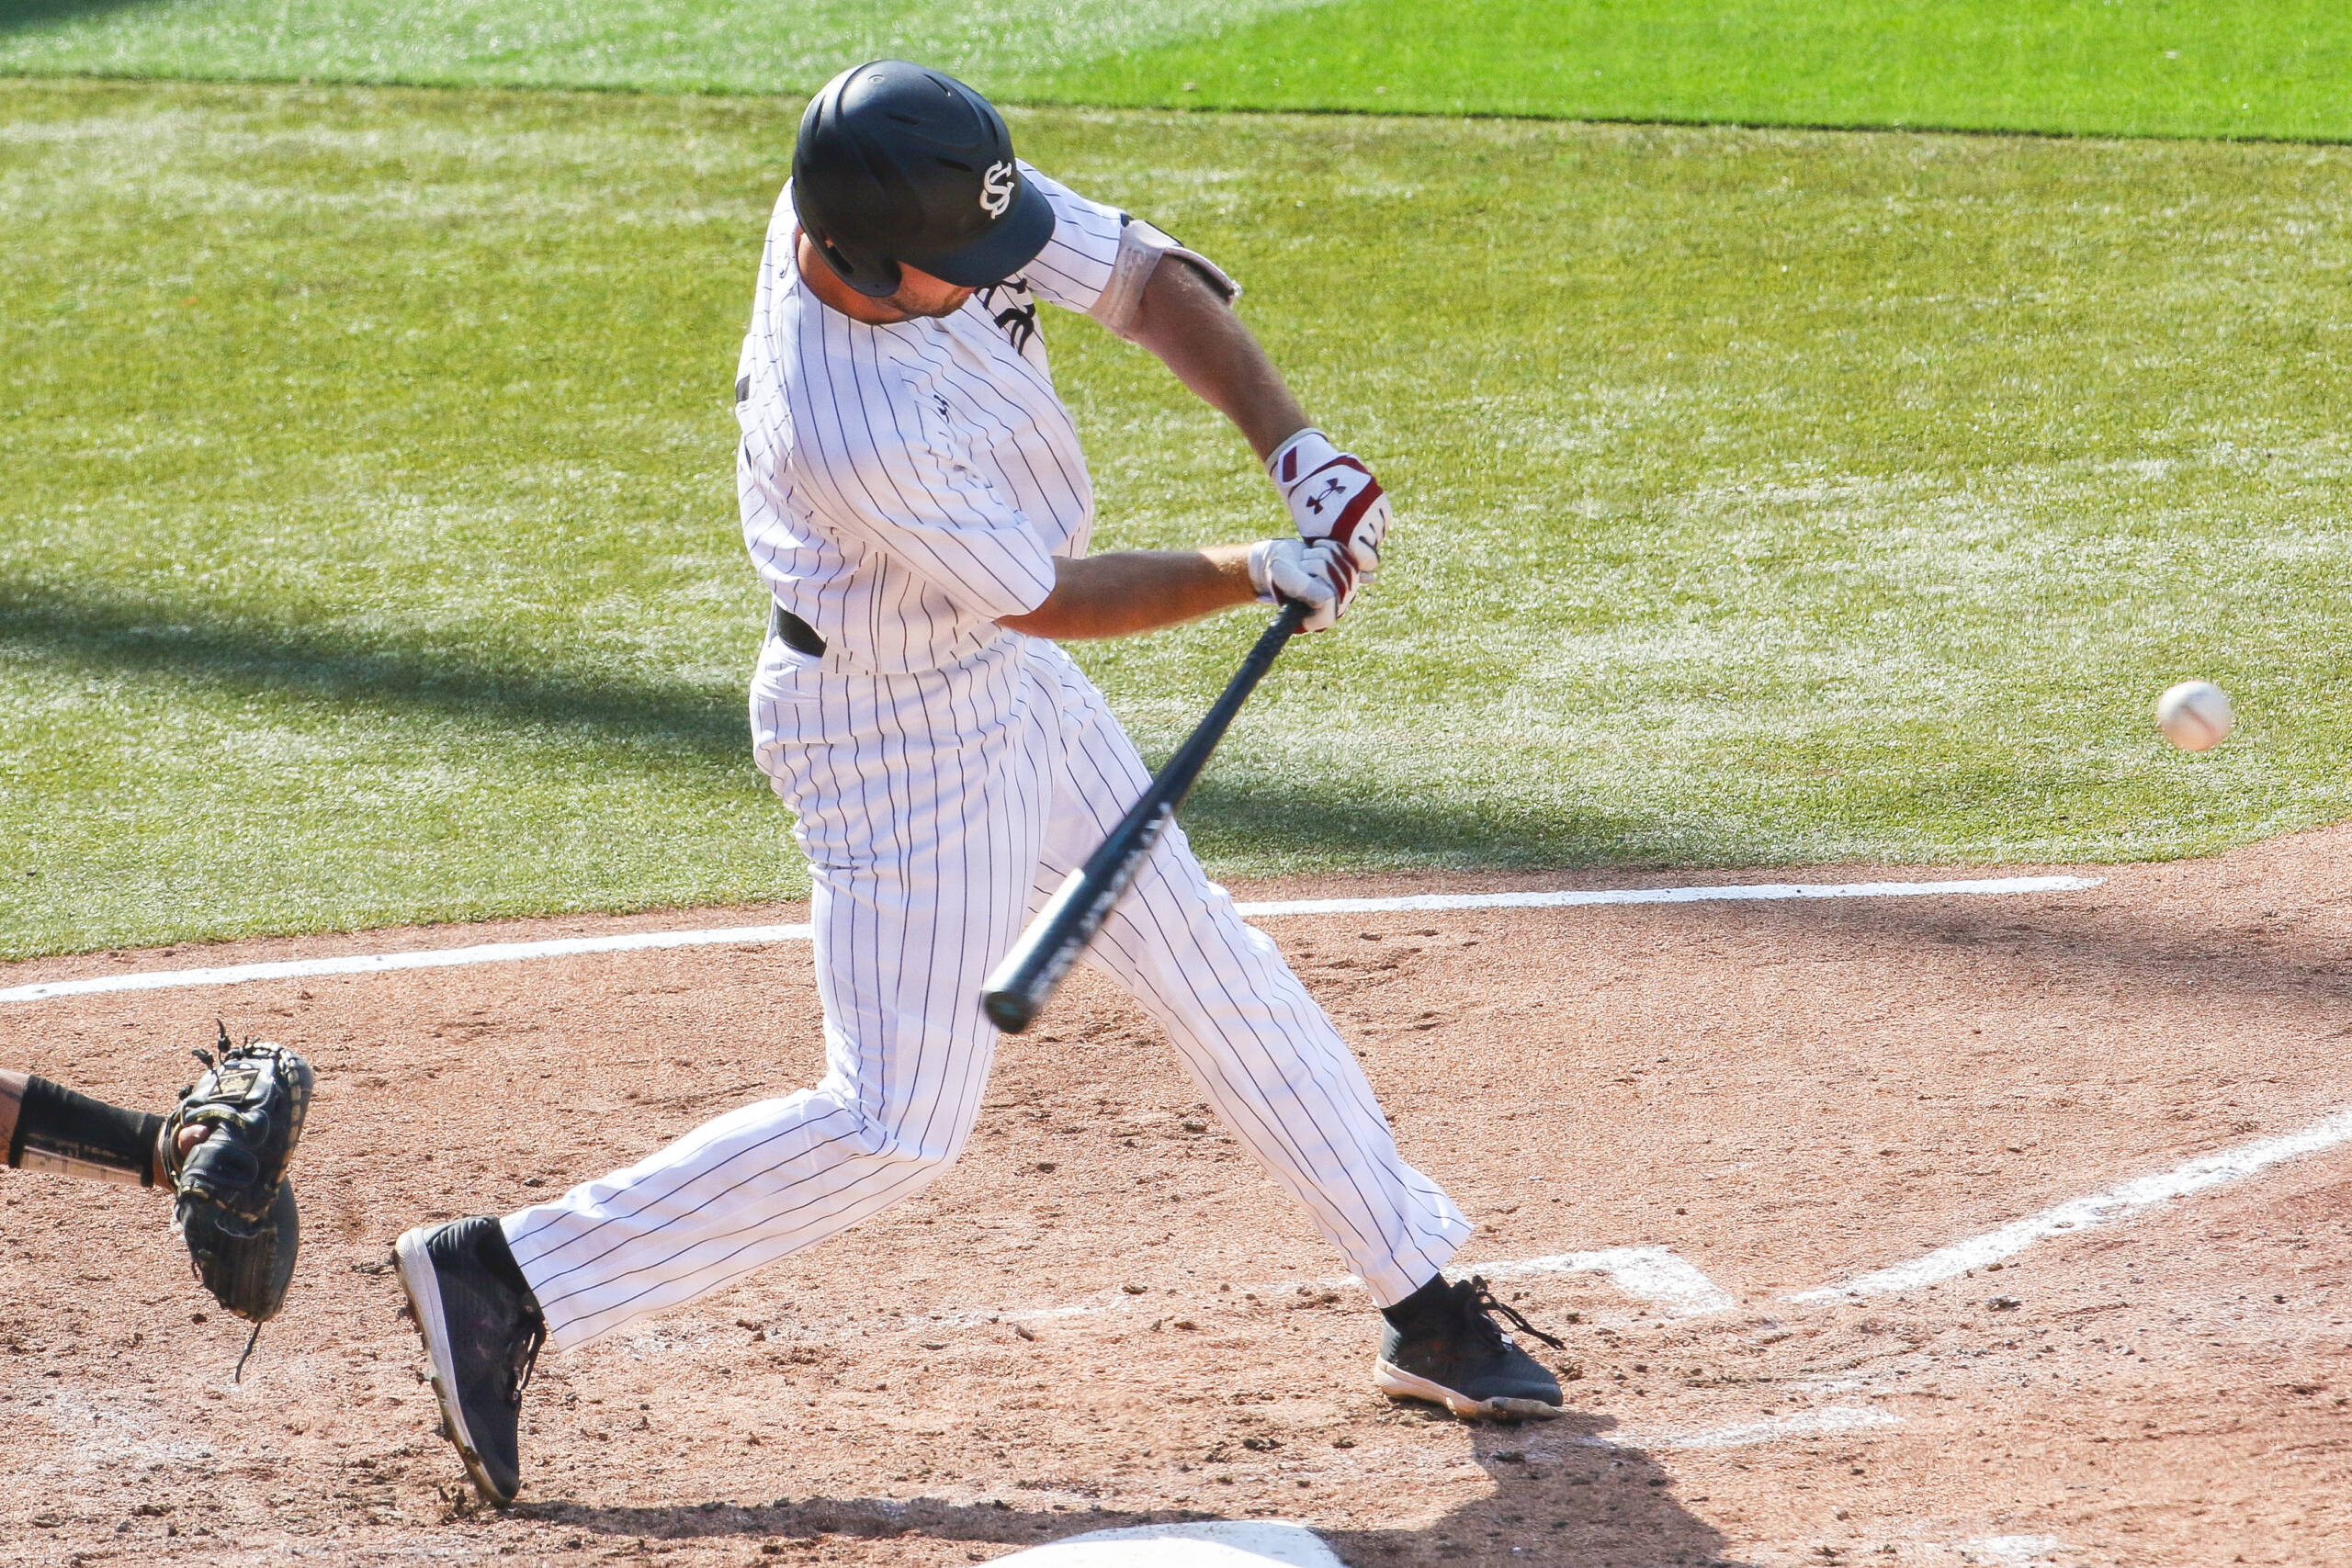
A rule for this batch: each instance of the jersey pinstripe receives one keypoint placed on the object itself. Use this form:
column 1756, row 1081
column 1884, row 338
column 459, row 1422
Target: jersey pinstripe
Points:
column 903, row 487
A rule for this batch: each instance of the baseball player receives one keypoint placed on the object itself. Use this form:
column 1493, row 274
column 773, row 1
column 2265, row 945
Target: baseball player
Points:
column 222, row 1151
column 914, row 497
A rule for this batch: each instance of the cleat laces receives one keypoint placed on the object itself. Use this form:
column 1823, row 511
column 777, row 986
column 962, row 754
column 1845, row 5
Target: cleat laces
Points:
column 1480, row 1306
column 524, row 1360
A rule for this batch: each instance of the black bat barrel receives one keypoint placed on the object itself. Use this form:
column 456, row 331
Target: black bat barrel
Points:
column 1018, row 987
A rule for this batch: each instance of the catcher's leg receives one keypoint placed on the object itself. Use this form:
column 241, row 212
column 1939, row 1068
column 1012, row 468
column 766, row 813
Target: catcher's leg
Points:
column 50, row 1127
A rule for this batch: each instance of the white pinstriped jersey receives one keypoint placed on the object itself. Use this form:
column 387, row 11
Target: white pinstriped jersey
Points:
column 904, row 486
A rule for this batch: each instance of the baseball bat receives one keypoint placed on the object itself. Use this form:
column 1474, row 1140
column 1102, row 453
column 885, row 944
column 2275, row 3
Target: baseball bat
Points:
column 1018, row 987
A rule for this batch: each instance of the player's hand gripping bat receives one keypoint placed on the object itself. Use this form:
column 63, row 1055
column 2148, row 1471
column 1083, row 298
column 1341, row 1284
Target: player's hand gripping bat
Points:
column 1013, row 995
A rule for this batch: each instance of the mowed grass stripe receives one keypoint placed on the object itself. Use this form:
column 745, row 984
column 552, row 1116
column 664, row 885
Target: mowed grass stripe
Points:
column 2278, row 69
column 2275, row 69
column 1766, row 497
column 693, row 46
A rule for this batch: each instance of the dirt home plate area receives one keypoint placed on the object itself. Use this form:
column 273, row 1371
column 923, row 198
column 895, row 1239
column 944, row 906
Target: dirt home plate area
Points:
column 2006, row 1227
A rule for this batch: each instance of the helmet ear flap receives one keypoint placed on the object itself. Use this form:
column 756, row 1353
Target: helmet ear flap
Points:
column 878, row 280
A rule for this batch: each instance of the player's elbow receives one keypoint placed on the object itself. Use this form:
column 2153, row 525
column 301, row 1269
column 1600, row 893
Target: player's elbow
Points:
column 1046, row 621
column 1065, row 612
column 1063, row 621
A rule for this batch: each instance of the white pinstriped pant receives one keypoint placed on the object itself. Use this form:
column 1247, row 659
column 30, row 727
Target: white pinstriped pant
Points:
column 938, row 810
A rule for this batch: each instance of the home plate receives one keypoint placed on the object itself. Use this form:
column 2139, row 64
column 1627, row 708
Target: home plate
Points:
column 1218, row 1543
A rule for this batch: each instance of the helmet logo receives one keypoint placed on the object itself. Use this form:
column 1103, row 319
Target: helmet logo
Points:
column 995, row 188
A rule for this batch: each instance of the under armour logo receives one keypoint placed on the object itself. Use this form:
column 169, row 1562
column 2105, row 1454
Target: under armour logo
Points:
column 1331, row 487
column 995, row 188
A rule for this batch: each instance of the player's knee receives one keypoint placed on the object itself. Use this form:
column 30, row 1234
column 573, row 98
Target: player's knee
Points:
column 915, row 1145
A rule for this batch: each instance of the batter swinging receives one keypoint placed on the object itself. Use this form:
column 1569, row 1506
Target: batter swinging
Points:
column 915, row 496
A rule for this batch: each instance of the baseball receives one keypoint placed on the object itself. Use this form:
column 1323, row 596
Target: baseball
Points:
column 2196, row 716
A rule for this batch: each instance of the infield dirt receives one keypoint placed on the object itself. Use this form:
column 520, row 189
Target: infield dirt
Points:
column 1782, row 1094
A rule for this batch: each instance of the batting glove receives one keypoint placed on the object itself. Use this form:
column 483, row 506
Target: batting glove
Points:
column 1319, row 576
column 1331, row 495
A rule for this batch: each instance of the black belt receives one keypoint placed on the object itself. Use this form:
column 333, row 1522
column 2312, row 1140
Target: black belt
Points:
column 797, row 634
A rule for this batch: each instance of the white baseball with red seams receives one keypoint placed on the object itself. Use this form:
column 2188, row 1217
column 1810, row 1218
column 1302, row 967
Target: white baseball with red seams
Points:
column 903, row 487
column 2196, row 716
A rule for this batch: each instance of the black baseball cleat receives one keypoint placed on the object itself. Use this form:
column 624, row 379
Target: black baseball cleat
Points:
column 483, row 1332
column 1442, row 1344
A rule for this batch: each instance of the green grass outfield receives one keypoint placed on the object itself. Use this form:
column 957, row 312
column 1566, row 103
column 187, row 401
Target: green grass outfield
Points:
column 1768, row 496
column 2205, row 68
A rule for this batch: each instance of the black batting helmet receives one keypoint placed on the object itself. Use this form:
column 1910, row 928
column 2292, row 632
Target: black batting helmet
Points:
column 900, row 164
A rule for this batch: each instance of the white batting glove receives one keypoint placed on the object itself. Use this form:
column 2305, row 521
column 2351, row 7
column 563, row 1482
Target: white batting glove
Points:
column 1319, row 576
column 1331, row 495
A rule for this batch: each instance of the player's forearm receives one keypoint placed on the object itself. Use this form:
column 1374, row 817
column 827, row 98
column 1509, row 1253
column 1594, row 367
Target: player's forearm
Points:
column 1195, row 331
column 1129, row 591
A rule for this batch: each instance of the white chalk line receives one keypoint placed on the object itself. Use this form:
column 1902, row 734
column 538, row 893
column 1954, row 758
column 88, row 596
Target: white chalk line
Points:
column 385, row 963
column 642, row 942
column 2008, row 1550
column 1728, row 894
column 1657, row 1276
column 2086, row 1213
column 1829, row 1421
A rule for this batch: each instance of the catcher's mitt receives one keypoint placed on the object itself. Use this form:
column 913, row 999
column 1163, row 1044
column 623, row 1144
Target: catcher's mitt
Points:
column 234, row 1205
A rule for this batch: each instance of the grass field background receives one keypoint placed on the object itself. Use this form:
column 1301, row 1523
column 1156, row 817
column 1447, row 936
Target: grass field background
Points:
column 1768, row 496
column 2205, row 68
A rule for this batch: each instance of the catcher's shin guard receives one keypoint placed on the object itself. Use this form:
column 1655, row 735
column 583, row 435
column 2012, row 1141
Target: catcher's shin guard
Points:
column 73, row 1134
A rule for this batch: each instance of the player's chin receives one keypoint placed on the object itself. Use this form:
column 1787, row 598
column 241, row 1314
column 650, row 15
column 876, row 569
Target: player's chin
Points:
column 916, row 306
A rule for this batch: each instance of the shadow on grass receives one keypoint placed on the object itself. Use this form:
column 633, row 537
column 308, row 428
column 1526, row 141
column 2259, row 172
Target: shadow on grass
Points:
column 23, row 16
column 182, row 642
column 1308, row 820
column 1316, row 820
column 1563, row 1495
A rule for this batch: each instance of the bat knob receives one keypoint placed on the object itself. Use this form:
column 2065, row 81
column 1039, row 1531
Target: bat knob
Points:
column 1008, row 1010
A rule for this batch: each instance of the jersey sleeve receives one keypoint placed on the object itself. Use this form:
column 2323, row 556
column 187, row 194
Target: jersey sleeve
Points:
column 1077, row 263
column 1099, row 258
column 896, row 484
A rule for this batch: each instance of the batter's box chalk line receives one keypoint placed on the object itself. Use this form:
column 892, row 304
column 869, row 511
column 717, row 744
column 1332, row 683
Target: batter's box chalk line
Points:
column 2007, row 1550
column 1655, row 1276
column 2086, row 1214
column 722, row 936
